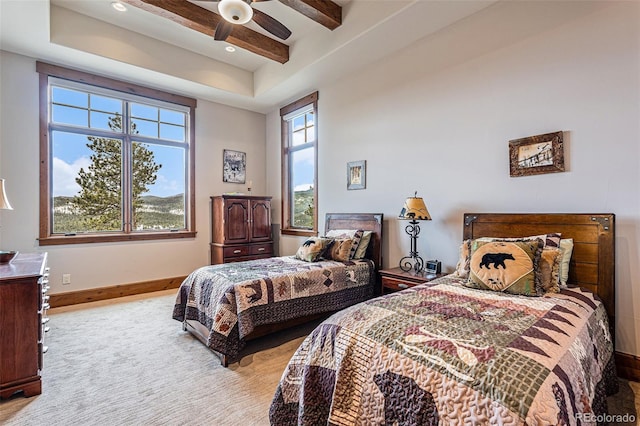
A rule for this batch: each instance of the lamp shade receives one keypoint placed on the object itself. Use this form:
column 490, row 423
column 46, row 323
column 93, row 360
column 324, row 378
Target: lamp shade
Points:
column 235, row 11
column 414, row 208
column 4, row 201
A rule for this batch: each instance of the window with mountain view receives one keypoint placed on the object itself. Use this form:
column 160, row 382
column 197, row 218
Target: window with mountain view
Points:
column 299, row 180
column 117, row 165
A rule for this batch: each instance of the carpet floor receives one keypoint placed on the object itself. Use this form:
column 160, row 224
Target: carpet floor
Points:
column 126, row 362
column 129, row 363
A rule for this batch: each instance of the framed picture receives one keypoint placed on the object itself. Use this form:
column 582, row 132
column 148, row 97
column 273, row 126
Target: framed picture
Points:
column 357, row 175
column 536, row 155
column 234, row 165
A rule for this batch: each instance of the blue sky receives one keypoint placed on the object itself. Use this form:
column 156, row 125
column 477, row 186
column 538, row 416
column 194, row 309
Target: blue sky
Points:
column 70, row 151
column 303, row 169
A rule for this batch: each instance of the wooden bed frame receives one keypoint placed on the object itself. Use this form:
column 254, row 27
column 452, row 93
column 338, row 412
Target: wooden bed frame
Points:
column 592, row 263
column 365, row 221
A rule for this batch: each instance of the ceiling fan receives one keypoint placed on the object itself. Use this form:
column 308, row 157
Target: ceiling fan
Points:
column 238, row 12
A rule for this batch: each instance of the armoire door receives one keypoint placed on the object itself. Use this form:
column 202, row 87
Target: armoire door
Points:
column 260, row 220
column 236, row 221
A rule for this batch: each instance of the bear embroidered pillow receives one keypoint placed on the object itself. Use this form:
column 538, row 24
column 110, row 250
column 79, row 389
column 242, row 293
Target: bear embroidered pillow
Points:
column 506, row 266
column 312, row 249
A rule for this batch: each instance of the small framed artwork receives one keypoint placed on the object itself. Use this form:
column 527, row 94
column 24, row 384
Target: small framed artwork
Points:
column 357, row 175
column 536, row 155
column 234, row 165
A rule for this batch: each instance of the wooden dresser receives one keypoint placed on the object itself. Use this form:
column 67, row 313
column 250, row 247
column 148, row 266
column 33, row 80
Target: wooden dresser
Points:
column 240, row 228
column 23, row 323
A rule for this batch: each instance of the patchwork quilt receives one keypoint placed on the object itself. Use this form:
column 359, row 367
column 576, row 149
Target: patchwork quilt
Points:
column 232, row 299
column 447, row 354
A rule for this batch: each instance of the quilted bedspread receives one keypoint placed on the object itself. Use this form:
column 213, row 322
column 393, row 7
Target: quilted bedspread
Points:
column 449, row 355
column 233, row 298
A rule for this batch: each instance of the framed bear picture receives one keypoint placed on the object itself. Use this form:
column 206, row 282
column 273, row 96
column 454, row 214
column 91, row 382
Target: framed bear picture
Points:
column 234, row 165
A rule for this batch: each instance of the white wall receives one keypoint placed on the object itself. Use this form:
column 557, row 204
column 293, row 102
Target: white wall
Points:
column 99, row 265
column 444, row 132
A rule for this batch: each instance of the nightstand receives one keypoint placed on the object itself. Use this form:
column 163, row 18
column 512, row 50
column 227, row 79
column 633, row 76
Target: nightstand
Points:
column 396, row 279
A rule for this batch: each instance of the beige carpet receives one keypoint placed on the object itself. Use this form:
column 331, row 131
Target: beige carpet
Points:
column 129, row 363
column 126, row 362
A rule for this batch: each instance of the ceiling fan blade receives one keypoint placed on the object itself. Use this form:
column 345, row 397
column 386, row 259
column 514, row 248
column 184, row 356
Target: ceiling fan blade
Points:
column 270, row 24
column 223, row 29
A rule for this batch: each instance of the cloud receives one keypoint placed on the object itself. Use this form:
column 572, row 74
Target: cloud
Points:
column 64, row 176
column 166, row 187
column 303, row 187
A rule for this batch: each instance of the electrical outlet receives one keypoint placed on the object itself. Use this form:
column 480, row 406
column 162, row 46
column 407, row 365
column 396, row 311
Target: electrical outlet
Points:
column 66, row 278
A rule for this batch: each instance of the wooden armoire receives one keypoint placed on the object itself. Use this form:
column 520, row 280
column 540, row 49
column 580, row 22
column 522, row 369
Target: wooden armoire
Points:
column 240, row 228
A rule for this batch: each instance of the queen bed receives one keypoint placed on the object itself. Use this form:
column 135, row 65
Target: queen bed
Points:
column 226, row 305
column 445, row 352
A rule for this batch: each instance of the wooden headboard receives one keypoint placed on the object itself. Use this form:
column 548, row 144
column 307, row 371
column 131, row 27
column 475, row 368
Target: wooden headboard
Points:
column 364, row 221
column 592, row 263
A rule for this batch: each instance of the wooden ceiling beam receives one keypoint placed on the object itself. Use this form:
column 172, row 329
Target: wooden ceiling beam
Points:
column 324, row 12
column 204, row 21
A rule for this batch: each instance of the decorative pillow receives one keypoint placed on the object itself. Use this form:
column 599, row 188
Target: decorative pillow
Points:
column 549, row 240
column 462, row 267
column 354, row 234
column 313, row 248
column 361, row 252
column 506, row 266
column 339, row 250
column 566, row 246
column 549, row 268
column 553, row 240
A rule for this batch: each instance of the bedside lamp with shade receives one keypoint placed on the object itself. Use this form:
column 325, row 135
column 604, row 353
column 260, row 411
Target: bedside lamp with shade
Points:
column 5, row 256
column 414, row 210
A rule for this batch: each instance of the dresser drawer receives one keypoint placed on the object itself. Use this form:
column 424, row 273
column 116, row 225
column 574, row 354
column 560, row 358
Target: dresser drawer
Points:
column 236, row 251
column 266, row 248
column 396, row 279
column 396, row 284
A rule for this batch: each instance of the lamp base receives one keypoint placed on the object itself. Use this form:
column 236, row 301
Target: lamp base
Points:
column 414, row 262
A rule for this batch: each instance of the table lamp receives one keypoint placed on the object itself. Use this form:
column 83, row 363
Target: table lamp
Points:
column 5, row 256
column 414, row 210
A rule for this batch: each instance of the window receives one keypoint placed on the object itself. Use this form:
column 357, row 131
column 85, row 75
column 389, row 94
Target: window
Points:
column 116, row 160
column 300, row 160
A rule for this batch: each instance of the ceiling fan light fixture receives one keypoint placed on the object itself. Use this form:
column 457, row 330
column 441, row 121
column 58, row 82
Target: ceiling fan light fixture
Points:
column 235, row 11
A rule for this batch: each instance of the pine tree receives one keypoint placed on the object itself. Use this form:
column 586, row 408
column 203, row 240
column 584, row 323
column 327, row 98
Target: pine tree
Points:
column 100, row 199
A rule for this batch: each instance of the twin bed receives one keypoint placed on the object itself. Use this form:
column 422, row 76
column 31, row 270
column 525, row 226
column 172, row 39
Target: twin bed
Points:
column 224, row 306
column 444, row 353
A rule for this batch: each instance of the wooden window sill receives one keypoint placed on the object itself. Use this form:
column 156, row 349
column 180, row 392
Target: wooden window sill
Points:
column 110, row 238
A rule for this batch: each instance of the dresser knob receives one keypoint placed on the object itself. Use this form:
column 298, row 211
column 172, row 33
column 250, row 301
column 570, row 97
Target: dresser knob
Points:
column 45, row 349
column 401, row 285
column 261, row 249
column 45, row 320
column 45, row 306
column 237, row 251
column 46, row 329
